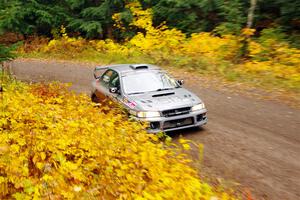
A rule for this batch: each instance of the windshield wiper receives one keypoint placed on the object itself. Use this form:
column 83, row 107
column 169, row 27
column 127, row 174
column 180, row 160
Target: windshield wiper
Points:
column 162, row 89
column 136, row 93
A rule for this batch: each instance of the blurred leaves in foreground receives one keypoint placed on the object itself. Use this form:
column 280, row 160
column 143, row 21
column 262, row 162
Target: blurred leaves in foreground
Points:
column 58, row 145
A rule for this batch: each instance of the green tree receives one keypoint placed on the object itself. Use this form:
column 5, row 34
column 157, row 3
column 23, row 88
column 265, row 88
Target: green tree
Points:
column 290, row 13
column 93, row 18
column 32, row 16
column 89, row 18
column 234, row 17
column 188, row 16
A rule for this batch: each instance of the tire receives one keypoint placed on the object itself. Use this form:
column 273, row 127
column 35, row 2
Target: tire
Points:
column 94, row 98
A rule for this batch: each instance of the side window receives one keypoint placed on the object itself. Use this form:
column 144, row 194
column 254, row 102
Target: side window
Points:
column 110, row 79
column 115, row 81
column 105, row 78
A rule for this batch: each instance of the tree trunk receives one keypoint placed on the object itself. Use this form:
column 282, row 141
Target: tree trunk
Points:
column 251, row 13
column 109, row 32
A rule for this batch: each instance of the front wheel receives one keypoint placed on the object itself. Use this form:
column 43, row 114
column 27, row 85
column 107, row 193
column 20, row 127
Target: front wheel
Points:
column 94, row 98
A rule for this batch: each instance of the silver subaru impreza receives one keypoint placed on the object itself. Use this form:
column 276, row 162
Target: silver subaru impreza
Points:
column 149, row 94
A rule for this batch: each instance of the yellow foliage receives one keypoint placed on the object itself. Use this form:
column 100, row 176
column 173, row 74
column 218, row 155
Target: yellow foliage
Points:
column 272, row 68
column 55, row 144
column 204, row 44
column 142, row 18
column 248, row 32
column 275, row 59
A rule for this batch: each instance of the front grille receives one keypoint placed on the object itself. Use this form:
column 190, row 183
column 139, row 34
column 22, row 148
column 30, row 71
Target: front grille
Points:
column 178, row 123
column 175, row 112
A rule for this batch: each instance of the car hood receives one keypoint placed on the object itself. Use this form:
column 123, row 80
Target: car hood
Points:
column 164, row 100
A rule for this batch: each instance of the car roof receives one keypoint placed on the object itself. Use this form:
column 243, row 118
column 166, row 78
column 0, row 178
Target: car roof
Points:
column 128, row 68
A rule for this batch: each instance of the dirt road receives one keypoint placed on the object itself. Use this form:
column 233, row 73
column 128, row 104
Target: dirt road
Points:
column 253, row 142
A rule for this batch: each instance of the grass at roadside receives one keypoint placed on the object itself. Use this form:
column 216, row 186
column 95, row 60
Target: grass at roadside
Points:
column 203, row 66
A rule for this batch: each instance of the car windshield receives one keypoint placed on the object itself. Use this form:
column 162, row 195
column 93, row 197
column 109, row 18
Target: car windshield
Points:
column 147, row 82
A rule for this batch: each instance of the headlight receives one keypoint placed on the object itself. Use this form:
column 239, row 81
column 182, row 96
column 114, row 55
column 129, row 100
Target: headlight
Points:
column 198, row 107
column 148, row 114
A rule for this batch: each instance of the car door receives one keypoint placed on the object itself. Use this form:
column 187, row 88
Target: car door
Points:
column 115, row 83
column 102, row 87
column 110, row 78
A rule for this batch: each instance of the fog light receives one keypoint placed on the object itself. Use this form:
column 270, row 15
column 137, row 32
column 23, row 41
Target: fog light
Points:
column 199, row 117
column 154, row 125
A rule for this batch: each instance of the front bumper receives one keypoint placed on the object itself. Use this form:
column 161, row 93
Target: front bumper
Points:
column 166, row 124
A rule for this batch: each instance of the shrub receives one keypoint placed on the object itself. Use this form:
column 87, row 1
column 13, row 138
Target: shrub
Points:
column 55, row 144
column 7, row 52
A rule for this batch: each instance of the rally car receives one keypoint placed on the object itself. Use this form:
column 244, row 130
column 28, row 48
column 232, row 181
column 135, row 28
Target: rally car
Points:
column 149, row 94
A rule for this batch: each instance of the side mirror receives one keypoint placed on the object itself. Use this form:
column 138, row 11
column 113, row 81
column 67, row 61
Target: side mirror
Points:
column 180, row 82
column 113, row 90
column 97, row 71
